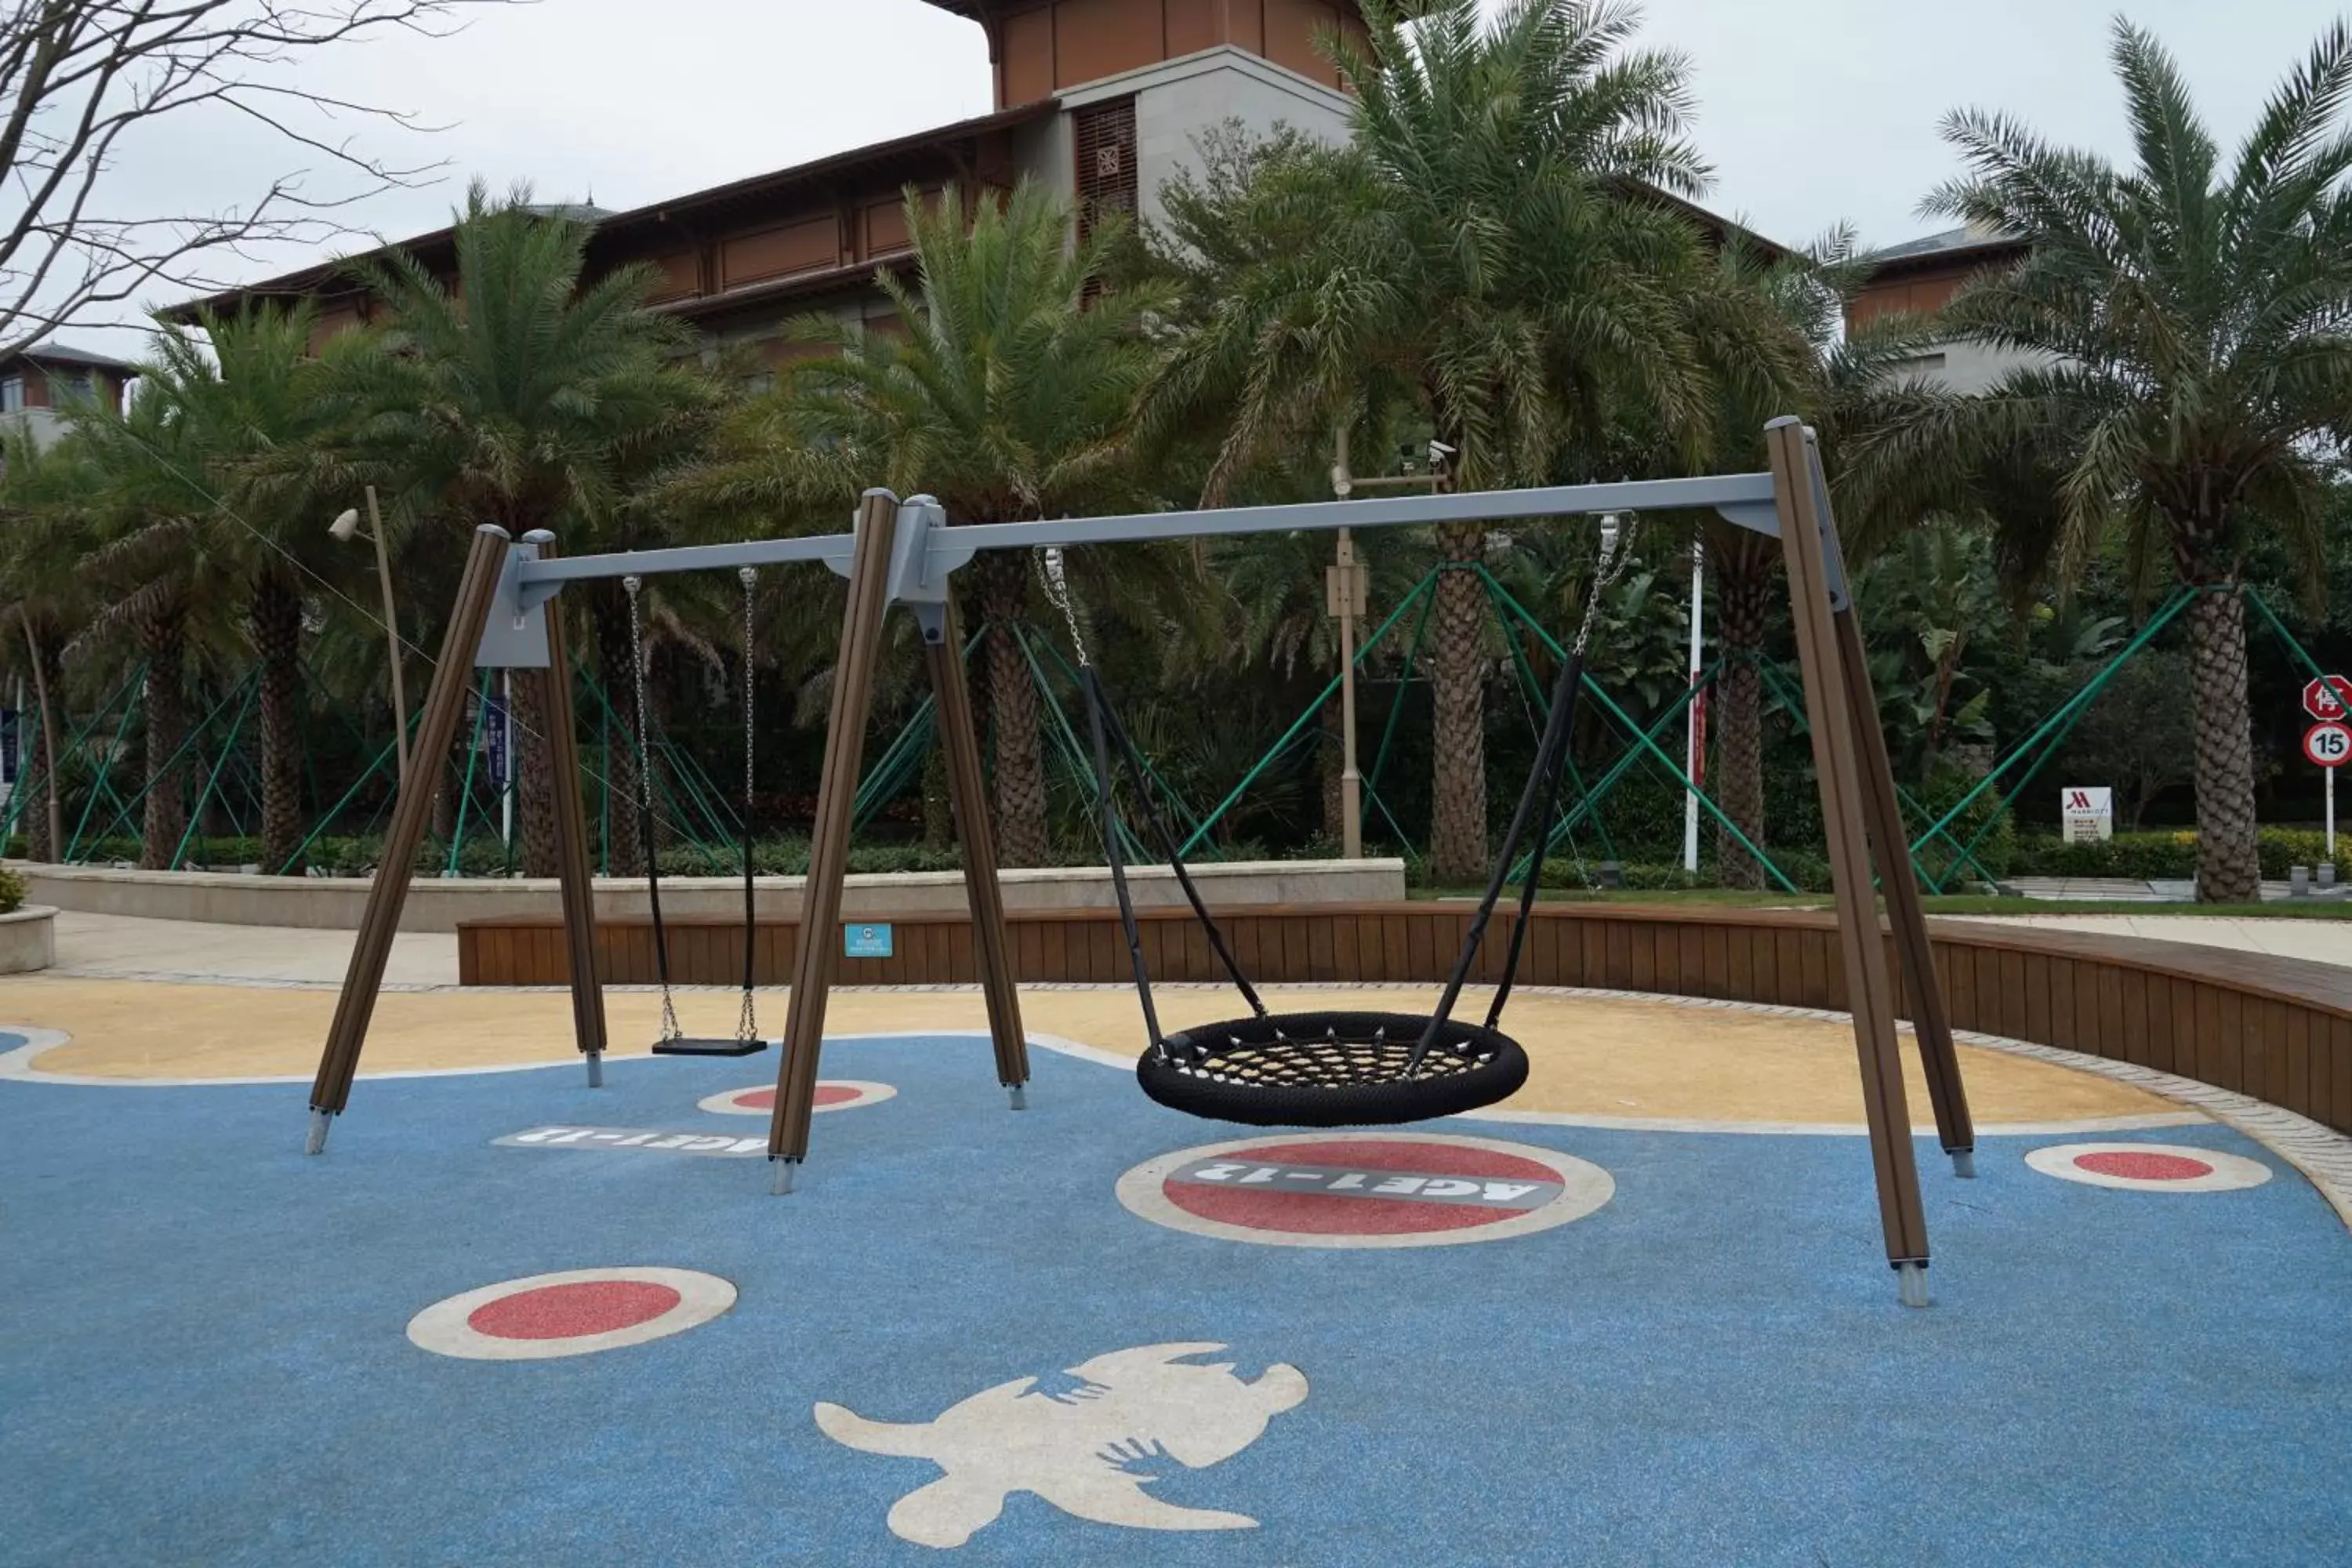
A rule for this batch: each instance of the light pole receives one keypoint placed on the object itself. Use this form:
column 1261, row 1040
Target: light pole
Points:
column 343, row 528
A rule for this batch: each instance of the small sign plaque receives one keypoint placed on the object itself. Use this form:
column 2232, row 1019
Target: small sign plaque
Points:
column 866, row 942
column 2087, row 813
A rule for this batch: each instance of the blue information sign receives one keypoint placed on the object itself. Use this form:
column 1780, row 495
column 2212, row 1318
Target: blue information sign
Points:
column 866, row 942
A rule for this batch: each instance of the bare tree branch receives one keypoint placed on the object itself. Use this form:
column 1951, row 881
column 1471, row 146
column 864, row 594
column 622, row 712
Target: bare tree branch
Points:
column 81, row 79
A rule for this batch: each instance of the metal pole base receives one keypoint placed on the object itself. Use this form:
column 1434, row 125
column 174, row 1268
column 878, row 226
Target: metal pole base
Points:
column 316, row 1142
column 779, row 1176
column 1911, row 1283
column 1020, row 1093
column 595, row 1070
column 1964, row 1163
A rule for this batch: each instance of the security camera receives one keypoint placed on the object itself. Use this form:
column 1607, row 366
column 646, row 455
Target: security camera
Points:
column 346, row 526
column 1439, row 451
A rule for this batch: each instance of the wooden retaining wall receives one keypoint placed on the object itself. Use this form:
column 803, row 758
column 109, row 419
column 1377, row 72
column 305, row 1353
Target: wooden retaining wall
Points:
column 2279, row 1029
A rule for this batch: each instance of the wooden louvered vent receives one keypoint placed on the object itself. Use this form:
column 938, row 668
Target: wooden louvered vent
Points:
column 1107, row 174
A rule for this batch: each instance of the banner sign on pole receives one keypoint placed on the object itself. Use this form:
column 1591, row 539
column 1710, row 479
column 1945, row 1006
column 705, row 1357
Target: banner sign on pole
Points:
column 496, row 737
column 2087, row 813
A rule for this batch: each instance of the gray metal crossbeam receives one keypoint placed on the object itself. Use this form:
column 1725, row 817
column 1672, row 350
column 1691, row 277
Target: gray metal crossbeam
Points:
column 928, row 550
column 1745, row 498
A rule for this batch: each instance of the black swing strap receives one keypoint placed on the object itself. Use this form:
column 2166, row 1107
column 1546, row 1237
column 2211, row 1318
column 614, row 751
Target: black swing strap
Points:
column 1538, row 795
column 1117, row 860
column 1131, row 759
column 1572, row 678
column 669, row 1029
column 1102, row 721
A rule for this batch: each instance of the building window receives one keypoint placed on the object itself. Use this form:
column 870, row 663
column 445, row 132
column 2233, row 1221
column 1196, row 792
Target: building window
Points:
column 12, row 393
column 1107, row 172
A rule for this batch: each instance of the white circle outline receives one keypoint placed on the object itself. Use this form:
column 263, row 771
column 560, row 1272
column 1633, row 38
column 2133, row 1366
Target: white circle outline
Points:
column 2229, row 1172
column 868, row 1093
column 442, row 1328
column 1584, row 1187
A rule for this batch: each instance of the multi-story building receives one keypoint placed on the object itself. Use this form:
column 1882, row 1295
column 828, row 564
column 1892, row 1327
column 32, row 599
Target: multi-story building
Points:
column 1101, row 99
column 1922, row 277
column 37, row 381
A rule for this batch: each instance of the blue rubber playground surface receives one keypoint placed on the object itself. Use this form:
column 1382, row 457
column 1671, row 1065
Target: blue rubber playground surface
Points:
column 206, row 1350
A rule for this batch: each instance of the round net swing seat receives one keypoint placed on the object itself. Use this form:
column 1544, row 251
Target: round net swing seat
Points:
column 1331, row 1069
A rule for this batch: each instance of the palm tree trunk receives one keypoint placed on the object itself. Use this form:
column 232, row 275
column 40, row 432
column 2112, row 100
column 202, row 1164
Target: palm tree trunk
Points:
column 608, row 614
column 1457, row 839
column 1743, row 605
column 535, row 792
column 275, row 618
column 2229, row 857
column 162, row 637
column 1019, row 785
column 45, row 826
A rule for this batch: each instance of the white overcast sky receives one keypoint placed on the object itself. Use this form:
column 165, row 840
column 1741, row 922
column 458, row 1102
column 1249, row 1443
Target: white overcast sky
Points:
column 1812, row 111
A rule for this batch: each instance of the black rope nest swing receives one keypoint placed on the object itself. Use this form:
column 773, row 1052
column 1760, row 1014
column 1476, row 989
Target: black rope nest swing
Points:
column 1332, row 1069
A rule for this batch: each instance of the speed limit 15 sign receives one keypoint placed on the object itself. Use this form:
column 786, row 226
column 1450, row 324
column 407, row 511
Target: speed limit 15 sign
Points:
column 2328, row 745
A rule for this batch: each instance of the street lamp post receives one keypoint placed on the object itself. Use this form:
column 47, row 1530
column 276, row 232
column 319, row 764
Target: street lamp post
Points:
column 343, row 528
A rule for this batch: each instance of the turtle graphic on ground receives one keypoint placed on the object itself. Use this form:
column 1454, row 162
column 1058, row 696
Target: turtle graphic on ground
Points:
column 1087, row 1451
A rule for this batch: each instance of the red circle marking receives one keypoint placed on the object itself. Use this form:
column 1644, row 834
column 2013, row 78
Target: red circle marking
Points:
column 826, row 1094
column 2140, row 1166
column 1326, row 1214
column 574, row 1311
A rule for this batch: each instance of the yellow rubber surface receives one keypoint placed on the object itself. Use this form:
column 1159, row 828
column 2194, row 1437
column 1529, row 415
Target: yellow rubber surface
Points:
column 1595, row 1056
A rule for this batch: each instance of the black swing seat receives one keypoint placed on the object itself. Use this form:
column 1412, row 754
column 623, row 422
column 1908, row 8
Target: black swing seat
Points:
column 688, row 1046
column 1331, row 1069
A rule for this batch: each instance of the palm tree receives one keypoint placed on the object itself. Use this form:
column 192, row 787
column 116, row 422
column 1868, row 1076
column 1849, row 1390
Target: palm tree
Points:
column 1487, row 248
column 1006, row 389
column 524, row 393
column 1778, row 343
column 209, row 466
column 43, row 498
column 2185, row 365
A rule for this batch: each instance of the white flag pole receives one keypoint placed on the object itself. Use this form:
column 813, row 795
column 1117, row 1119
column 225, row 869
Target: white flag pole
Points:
column 1693, row 764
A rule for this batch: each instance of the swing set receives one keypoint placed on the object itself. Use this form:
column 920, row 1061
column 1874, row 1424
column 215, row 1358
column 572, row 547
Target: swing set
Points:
column 1265, row 1068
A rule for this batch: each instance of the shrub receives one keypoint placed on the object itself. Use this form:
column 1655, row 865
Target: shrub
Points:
column 12, row 891
column 2170, row 855
column 1989, row 814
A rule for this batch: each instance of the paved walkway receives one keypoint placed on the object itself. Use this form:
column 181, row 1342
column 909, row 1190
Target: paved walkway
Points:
column 121, row 947
column 2315, row 940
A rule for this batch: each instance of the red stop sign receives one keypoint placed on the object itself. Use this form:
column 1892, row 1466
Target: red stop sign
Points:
column 2328, row 701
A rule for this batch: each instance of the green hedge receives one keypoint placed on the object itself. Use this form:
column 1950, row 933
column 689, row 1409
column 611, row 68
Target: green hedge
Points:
column 2170, row 854
column 1808, row 870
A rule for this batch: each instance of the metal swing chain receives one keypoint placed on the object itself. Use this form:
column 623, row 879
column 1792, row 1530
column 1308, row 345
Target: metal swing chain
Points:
column 670, row 1026
column 1058, row 590
column 747, row 1027
column 1616, row 550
